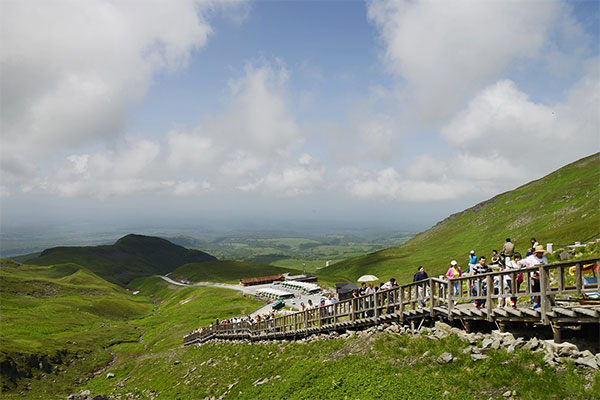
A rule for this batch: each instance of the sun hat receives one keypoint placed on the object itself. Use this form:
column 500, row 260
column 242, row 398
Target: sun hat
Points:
column 539, row 249
column 453, row 262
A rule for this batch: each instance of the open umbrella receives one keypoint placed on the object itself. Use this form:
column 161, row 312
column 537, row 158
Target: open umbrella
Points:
column 368, row 278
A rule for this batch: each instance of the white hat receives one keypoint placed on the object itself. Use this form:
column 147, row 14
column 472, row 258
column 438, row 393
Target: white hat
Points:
column 453, row 263
column 472, row 251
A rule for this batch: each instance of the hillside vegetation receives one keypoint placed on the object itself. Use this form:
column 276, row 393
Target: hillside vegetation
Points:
column 60, row 324
column 130, row 257
column 560, row 208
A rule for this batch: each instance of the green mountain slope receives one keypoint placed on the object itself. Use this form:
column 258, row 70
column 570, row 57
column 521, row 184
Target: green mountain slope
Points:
column 559, row 208
column 60, row 322
column 130, row 257
column 226, row 271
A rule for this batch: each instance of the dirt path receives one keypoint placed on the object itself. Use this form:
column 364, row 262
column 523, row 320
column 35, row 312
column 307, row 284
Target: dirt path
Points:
column 244, row 289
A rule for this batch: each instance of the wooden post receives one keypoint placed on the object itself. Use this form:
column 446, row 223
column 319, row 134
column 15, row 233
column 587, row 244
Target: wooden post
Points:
column 335, row 314
column 432, row 305
column 489, row 290
column 544, row 300
column 450, row 298
column 561, row 279
column 376, row 305
column 402, row 303
column 557, row 330
column 578, row 277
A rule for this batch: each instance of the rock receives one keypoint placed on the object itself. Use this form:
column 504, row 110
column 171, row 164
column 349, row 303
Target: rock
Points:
column 467, row 350
column 177, row 362
column 532, row 344
column 549, row 360
column 446, row 393
column 564, row 349
column 110, row 375
column 502, row 336
column 445, row 358
column 443, row 327
column 100, row 397
column 564, row 255
column 477, row 357
column 427, row 353
column 508, row 393
column 85, row 393
column 586, row 354
column 486, row 343
column 495, row 344
column 588, row 362
column 510, row 348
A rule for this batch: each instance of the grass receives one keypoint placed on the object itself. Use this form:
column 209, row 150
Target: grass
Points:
column 560, row 208
column 68, row 316
column 382, row 366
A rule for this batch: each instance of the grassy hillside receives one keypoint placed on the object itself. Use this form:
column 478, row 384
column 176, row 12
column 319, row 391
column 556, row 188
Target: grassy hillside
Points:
column 559, row 208
column 58, row 320
column 226, row 271
column 130, row 257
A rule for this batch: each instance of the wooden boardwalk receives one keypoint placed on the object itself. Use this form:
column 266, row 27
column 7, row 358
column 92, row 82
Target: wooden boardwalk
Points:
column 563, row 302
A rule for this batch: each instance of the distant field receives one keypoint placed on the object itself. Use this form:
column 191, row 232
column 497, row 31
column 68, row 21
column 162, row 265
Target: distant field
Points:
column 301, row 253
column 225, row 271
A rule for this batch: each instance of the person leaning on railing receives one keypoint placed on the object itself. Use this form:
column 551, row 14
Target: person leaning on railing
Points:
column 515, row 263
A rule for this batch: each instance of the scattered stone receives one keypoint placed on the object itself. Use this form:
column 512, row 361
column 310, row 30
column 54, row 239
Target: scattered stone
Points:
column 427, row 353
column 446, row 393
column 588, row 362
column 110, row 375
column 532, row 344
column 486, row 343
column 564, row 255
column 445, row 358
column 508, row 393
column 441, row 326
column 177, row 362
column 477, row 357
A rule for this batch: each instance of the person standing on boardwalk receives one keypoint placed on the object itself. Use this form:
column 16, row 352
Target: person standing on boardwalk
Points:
column 508, row 250
column 419, row 276
column 454, row 272
column 472, row 262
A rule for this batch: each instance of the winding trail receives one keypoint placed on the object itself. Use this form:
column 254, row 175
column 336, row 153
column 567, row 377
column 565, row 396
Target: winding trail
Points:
column 244, row 289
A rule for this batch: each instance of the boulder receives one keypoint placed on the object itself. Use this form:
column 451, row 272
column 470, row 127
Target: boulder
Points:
column 443, row 327
column 445, row 358
column 532, row 344
column 564, row 349
column 588, row 362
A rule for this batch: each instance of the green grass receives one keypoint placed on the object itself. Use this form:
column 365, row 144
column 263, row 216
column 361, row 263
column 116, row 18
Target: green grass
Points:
column 560, row 208
column 226, row 271
column 67, row 315
column 383, row 366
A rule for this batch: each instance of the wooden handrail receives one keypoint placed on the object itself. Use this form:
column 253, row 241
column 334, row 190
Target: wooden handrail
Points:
column 553, row 282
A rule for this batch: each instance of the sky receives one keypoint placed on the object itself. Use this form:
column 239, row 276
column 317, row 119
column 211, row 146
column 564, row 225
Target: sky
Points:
column 392, row 113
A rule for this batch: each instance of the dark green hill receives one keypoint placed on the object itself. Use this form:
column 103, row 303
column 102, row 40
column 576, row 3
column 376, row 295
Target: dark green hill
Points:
column 130, row 257
column 560, row 208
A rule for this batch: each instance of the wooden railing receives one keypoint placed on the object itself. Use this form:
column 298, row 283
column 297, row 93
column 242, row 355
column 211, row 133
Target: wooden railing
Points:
column 429, row 297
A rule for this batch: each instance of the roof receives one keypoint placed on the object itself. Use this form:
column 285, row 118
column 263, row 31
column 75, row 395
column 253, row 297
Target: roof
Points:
column 261, row 278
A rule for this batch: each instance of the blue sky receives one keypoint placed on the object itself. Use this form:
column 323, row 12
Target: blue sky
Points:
column 397, row 113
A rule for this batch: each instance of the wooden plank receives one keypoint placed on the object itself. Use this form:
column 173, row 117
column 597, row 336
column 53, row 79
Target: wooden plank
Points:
column 587, row 311
column 500, row 311
column 565, row 311
column 533, row 313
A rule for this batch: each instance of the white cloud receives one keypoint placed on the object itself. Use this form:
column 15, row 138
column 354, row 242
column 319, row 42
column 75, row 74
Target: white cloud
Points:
column 510, row 130
column 189, row 150
column 446, row 51
column 72, row 70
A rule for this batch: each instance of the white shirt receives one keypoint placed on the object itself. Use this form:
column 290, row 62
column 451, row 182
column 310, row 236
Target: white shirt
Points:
column 532, row 260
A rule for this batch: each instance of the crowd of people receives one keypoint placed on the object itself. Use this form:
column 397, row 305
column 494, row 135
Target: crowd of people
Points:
column 506, row 260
